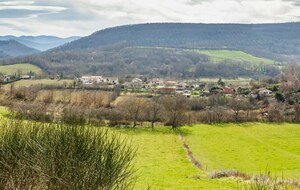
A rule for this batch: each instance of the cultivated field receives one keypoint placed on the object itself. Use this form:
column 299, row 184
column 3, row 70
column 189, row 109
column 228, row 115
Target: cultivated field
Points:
column 22, row 68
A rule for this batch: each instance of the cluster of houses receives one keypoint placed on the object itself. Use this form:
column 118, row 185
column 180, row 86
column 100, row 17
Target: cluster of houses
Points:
column 92, row 80
column 11, row 78
column 161, row 86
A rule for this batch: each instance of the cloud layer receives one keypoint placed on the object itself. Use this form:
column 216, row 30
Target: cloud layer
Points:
column 82, row 17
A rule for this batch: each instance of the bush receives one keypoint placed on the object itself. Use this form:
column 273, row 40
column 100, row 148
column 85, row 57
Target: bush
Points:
column 45, row 156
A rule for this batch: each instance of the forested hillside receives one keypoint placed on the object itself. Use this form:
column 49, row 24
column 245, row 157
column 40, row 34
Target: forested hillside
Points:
column 122, row 60
column 268, row 40
column 176, row 50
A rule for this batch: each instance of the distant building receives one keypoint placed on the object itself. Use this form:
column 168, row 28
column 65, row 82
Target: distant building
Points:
column 171, row 84
column 156, row 82
column 165, row 90
column 265, row 93
column 89, row 80
column 137, row 83
column 25, row 77
column 111, row 80
column 228, row 90
column 216, row 90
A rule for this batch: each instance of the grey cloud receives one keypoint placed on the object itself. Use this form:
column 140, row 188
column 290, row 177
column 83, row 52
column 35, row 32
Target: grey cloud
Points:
column 20, row 13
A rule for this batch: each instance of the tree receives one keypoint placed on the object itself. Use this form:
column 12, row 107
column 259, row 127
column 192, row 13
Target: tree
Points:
column 132, row 108
column 237, row 105
column 290, row 80
column 221, row 82
column 297, row 112
column 154, row 109
column 175, row 110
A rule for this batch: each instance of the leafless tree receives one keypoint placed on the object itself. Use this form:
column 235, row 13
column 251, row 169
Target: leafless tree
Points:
column 154, row 109
column 237, row 105
column 175, row 110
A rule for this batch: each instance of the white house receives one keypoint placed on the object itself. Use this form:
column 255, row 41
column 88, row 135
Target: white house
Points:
column 88, row 80
column 265, row 92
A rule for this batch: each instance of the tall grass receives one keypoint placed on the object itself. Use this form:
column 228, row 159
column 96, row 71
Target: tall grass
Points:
column 47, row 156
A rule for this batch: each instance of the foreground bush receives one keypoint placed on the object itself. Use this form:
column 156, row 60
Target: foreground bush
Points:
column 45, row 156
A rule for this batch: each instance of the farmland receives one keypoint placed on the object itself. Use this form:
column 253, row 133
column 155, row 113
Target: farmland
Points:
column 220, row 55
column 252, row 148
column 19, row 69
column 24, row 83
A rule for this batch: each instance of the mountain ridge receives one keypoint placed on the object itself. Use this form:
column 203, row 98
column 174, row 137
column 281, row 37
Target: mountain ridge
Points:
column 267, row 40
column 41, row 42
column 12, row 48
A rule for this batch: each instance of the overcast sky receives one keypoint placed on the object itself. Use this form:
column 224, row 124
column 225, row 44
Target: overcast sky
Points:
column 83, row 17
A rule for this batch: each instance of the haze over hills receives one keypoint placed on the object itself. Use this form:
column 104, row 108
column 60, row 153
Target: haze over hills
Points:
column 13, row 48
column 168, row 50
column 41, row 43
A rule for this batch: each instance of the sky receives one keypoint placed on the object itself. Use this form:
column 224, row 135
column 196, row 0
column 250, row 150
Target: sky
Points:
column 82, row 17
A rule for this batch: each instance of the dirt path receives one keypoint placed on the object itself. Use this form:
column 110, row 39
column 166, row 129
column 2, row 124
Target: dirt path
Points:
column 189, row 153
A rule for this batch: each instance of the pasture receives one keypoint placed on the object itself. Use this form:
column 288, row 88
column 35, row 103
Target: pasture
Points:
column 220, row 55
column 253, row 148
column 22, row 69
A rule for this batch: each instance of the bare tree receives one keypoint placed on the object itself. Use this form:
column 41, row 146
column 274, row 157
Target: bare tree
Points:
column 175, row 110
column 237, row 105
column 132, row 108
column 297, row 112
column 290, row 79
column 153, row 110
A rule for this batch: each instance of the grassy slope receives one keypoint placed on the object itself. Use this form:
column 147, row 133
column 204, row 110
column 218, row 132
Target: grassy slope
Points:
column 23, row 68
column 26, row 83
column 252, row 148
column 220, row 55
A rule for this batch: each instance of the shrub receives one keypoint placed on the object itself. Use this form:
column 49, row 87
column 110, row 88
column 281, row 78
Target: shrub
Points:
column 46, row 156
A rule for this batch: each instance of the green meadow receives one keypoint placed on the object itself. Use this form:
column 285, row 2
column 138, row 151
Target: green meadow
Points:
column 220, row 55
column 162, row 163
column 23, row 68
column 253, row 148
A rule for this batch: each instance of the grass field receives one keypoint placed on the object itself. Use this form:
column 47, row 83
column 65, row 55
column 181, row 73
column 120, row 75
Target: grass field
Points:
column 19, row 68
column 163, row 164
column 25, row 83
column 252, row 148
column 221, row 55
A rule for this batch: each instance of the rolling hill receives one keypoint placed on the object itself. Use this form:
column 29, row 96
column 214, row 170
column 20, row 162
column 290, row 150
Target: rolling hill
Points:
column 266, row 40
column 177, row 50
column 13, row 48
column 41, row 43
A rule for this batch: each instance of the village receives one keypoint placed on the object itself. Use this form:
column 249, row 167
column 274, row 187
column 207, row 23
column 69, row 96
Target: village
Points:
column 171, row 87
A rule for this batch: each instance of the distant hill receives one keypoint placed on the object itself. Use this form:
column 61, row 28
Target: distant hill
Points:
column 176, row 50
column 13, row 48
column 41, row 43
column 276, row 41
